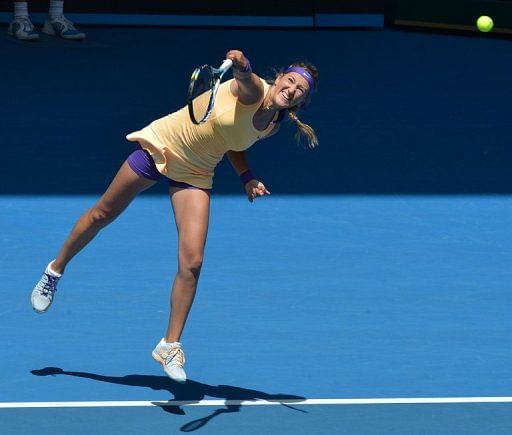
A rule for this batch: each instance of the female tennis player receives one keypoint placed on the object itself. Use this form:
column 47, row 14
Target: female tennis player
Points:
column 247, row 109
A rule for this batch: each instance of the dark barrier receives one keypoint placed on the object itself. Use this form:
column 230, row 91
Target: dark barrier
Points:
column 205, row 7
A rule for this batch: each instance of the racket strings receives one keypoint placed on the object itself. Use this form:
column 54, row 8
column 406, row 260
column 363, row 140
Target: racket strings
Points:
column 200, row 93
column 202, row 90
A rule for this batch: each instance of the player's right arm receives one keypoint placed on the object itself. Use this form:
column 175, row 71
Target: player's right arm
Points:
column 247, row 86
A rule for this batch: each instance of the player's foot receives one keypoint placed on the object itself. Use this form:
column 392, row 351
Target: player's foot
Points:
column 172, row 357
column 61, row 26
column 44, row 291
column 23, row 29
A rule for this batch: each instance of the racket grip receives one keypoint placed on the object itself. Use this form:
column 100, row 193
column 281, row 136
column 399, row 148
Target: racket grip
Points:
column 225, row 65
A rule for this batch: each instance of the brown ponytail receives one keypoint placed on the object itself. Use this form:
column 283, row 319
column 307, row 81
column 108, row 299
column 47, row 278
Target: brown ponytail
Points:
column 303, row 129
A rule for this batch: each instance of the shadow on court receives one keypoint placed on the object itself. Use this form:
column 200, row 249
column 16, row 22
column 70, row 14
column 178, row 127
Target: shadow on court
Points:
column 191, row 391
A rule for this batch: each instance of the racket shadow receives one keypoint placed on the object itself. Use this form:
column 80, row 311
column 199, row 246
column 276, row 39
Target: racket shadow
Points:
column 191, row 392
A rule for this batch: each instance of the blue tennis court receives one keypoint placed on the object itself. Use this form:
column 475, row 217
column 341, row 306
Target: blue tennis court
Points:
column 369, row 294
column 330, row 303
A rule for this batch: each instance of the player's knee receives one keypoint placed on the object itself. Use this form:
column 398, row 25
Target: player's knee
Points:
column 194, row 266
column 191, row 266
column 100, row 217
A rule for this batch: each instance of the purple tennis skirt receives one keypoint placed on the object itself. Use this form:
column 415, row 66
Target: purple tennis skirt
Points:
column 143, row 164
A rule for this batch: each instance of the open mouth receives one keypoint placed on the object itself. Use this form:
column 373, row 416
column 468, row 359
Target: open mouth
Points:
column 285, row 96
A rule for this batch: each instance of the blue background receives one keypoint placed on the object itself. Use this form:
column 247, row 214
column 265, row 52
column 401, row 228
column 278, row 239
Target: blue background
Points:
column 395, row 112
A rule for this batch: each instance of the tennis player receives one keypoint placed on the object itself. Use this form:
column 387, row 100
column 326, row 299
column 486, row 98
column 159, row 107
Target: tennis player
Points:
column 247, row 109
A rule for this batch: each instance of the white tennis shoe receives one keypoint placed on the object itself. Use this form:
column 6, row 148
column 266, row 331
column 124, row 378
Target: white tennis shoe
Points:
column 172, row 357
column 61, row 26
column 44, row 291
column 23, row 29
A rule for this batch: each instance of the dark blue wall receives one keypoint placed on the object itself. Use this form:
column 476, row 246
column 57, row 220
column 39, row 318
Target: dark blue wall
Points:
column 206, row 7
column 396, row 112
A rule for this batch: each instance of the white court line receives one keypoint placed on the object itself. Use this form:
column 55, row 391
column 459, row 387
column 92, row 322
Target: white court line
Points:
column 378, row 401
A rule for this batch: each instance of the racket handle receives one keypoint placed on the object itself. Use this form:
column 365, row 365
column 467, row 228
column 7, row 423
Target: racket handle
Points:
column 225, row 65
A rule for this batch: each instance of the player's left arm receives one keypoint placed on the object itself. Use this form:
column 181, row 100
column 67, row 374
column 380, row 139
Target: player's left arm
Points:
column 238, row 161
column 253, row 187
column 247, row 86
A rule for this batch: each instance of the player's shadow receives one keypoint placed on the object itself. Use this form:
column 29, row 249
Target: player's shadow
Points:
column 190, row 392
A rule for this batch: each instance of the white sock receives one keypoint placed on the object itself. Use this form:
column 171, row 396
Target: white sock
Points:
column 172, row 343
column 56, row 8
column 52, row 272
column 20, row 9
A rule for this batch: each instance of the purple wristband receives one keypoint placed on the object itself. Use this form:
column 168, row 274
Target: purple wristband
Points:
column 247, row 68
column 246, row 176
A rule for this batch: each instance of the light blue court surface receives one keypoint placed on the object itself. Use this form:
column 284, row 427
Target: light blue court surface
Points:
column 301, row 297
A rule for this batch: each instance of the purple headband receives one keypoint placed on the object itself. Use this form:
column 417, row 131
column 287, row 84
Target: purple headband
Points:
column 304, row 73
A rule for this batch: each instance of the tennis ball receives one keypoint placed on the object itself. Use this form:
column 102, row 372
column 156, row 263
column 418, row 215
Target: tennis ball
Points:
column 484, row 23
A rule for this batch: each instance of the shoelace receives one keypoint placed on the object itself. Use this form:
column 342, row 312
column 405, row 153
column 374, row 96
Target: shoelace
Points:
column 176, row 356
column 49, row 286
column 68, row 24
column 27, row 24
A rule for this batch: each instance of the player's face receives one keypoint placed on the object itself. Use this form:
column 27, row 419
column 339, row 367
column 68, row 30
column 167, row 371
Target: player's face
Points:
column 290, row 90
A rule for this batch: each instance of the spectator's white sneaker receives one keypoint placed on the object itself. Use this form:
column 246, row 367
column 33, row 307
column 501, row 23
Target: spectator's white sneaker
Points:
column 172, row 357
column 23, row 29
column 44, row 291
column 61, row 26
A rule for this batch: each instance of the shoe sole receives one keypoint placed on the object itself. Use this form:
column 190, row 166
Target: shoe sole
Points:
column 24, row 38
column 159, row 360
column 69, row 38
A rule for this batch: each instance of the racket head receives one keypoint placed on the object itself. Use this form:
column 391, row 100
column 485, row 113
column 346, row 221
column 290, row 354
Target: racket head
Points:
column 200, row 93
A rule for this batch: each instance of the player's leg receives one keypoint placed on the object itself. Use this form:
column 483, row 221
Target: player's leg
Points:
column 138, row 173
column 191, row 210
column 124, row 188
column 21, row 27
column 58, row 25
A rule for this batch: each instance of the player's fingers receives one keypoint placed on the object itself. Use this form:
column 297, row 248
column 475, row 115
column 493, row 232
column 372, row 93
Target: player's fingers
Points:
column 237, row 57
column 263, row 189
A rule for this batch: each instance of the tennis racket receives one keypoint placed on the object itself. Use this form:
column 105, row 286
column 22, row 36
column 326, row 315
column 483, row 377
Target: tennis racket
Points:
column 202, row 90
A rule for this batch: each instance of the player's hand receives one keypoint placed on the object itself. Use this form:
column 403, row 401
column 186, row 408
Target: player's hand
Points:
column 240, row 62
column 254, row 189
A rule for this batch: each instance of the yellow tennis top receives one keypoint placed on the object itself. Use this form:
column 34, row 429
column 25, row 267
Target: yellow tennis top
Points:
column 189, row 153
